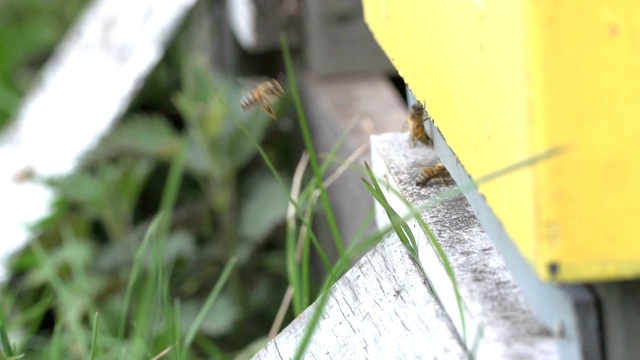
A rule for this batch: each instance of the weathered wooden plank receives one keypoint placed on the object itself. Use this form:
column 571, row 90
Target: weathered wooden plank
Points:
column 380, row 309
column 84, row 88
column 498, row 322
column 570, row 309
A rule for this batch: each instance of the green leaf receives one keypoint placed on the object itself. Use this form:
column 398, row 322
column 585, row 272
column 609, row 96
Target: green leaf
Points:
column 262, row 207
column 207, row 101
column 180, row 243
column 142, row 135
column 14, row 357
column 219, row 320
column 30, row 31
column 205, row 310
column 84, row 189
column 61, row 259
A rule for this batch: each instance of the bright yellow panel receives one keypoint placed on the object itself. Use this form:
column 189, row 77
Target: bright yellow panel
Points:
column 505, row 80
column 590, row 83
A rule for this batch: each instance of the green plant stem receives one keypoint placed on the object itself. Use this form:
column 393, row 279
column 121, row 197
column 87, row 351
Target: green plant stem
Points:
column 292, row 267
column 94, row 339
column 305, row 261
column 306, row 135
column 167, row 204
column 70, row 318
column 135, row 271
column 211, row 299
column 4, row 337
column 177, row 354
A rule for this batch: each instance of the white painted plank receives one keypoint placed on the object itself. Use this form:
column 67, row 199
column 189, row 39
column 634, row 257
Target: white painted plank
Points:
column 380, row 309
column 84, row 88
column 499, row 324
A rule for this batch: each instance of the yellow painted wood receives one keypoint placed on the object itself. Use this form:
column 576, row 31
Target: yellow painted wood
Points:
column 505, row 80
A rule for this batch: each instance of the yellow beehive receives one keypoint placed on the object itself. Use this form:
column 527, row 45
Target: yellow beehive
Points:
column 505, row 80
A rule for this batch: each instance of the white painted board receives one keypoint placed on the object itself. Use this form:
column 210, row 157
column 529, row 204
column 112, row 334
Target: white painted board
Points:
column 86, row 85
column 380, row 309
column 498, row 323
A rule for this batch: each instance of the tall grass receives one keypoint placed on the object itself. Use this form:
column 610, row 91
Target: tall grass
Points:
column 146, row 310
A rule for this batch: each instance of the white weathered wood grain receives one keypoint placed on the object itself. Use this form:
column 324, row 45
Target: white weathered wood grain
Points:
column 380, row 309
column 83, row 89
column 499, row 324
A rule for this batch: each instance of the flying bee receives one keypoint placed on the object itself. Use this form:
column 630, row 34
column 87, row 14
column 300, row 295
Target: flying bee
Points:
column 415, row 125
column 263, row 95
column 430, row 172
column 23, row 175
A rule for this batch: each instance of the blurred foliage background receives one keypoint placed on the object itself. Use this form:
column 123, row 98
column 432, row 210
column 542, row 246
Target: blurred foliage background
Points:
column 228, row 204
column 30, row 30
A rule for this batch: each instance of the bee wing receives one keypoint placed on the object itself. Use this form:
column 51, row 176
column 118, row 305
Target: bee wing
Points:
column 251, row 82
column 406, row 126
column 282, row 79
column 266, row 107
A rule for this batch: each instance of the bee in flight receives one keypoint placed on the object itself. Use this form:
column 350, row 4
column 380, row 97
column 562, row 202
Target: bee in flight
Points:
column 430, row 172
column 23, row 175
column 263, row 95
column 415, row 125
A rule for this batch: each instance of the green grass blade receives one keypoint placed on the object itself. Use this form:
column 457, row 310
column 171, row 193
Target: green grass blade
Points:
column 409, row 239
column 177, row 354
column 472, row 185
column 313, row 159
column 135, row 271
column 157, row 230
column 213, row 350
column 31, row 317
column 211, row 299
column 365, row 225
column 57, row 346
column 545, row 155
column 292, row 268
column 65, row 297
column 312, row 325
column 293, row 271
column 170, row 191
column 4, row 337
column 399, row 225
column 351, row 252
column 168, row 201
column 143, row 318
column 319, row 308
column 329, row 159
column 344, row 135
column 414, row 214
column 323, row 257
column 305, row 262
column 94, row 339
